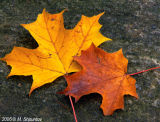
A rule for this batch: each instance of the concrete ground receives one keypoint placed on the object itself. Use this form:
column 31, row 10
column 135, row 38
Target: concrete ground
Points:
column 134, row 26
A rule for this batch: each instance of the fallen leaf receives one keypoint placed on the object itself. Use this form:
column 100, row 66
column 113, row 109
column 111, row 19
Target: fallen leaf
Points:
column 57, row 46
column 103, row 73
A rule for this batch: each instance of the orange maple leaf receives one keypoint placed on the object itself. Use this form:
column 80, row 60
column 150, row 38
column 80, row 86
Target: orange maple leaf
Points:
column 57, row 46
column 103, row 73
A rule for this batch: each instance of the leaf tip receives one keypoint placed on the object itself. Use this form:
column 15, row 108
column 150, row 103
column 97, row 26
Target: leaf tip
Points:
column 102, row 13
column 23, row 25
column 106, row 113
column 9, row 75
column 3, row 59
column 108, row 39
column 30, row 92
column 75, row 96
column 121, row 50
column 66, row 9
column 44, row 10
column 99, row 15
column 136, row 96
column 61, row 92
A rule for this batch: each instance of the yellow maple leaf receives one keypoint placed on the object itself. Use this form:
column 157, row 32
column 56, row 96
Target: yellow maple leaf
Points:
column 57, row 46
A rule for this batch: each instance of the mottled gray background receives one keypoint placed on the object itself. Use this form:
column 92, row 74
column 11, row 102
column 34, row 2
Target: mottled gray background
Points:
column 134, row 25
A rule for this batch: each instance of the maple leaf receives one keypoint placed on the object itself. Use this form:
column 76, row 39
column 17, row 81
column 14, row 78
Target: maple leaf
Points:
column 103, row 73
column 57, row 46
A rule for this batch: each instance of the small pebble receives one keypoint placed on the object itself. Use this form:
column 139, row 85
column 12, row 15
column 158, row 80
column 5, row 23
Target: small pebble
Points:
column 156, row 103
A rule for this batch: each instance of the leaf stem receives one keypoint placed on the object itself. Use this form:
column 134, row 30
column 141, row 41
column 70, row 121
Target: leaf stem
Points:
column 73, row 109
column 144, row 71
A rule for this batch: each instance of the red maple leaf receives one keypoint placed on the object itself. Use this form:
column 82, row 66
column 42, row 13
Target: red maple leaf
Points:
column 103, row 73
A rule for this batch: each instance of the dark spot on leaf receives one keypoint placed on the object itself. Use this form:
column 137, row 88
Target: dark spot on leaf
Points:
column 52, row 19
column 99, row 60
column 77, row 31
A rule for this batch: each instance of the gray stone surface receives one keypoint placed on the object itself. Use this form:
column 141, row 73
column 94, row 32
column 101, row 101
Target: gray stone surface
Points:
column 134, row 25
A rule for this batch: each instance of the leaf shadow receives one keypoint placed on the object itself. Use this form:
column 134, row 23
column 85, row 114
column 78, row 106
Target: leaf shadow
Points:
column 26, row 40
